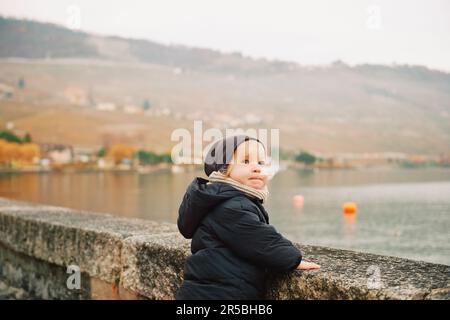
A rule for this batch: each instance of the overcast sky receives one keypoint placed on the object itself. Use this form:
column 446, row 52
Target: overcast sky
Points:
column 309, row 32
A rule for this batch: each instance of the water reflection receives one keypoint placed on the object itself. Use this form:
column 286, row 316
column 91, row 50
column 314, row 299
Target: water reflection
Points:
column 400, row 212
column 349, row 225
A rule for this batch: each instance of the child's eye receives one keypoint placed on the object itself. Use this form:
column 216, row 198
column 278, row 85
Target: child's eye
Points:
column 246, row 161
column 261, row 163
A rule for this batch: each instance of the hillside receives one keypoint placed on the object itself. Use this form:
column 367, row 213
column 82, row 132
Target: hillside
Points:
column 334, row 108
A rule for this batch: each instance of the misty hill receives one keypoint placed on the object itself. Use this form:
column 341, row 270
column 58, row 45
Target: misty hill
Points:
column 334, row 108
column 30, row 39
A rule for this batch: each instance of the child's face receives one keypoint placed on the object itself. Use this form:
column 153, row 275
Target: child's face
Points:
column 247, row 163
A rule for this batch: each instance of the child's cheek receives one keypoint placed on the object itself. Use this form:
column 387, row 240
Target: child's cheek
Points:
column 264, row 182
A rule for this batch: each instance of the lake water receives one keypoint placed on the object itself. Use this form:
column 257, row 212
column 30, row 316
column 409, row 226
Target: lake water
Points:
column 401, row 212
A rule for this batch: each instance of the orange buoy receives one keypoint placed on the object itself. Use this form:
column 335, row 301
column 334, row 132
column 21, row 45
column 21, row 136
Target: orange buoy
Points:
column 298, row 201
column 349, row 208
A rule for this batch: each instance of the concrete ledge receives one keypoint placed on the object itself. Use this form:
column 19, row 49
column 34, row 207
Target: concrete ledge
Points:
column 130, row 258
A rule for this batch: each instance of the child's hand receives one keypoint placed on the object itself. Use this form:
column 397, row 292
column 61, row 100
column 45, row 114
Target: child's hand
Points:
column 305, row 265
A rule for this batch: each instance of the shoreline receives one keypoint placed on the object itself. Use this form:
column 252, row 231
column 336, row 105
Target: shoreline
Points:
column 187, row 168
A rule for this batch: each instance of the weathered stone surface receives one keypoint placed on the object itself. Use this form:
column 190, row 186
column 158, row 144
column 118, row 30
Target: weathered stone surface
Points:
column 11, row 293
column 25, row 277
column 348, row 274
column 146, row 258
column 39, row 279
column 152, row 265
column 64, row 236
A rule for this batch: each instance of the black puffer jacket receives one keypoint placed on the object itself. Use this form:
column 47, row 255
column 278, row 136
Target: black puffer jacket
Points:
column 233, row 246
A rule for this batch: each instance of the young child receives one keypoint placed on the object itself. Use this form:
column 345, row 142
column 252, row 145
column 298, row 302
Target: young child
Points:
column 233, row 246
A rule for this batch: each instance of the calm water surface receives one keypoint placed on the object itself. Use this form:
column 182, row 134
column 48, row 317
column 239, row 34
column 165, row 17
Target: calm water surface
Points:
column 401, row 212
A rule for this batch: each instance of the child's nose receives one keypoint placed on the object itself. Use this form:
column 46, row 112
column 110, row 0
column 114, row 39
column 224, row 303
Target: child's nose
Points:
column 256, row 168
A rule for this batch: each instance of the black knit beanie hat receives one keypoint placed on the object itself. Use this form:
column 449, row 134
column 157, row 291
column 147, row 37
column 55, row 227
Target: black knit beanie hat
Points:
column 219, row 156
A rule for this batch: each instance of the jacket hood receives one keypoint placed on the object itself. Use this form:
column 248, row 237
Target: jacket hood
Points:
column 200, row 198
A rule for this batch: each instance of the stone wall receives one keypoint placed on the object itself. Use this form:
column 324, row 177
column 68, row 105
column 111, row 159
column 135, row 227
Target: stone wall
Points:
column 138, row 259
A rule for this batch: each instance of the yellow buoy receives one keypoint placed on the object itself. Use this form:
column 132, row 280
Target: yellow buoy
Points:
column 349, row 208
